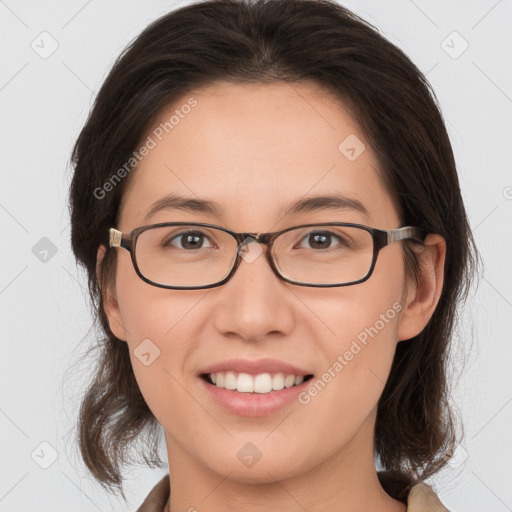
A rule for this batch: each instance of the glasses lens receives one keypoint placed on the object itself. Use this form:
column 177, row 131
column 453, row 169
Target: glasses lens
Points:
column 324, row 254
column 191, row 255
column 185, row 255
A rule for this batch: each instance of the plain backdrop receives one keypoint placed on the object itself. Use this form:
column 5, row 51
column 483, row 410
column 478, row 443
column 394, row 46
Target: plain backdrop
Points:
column 462, row 46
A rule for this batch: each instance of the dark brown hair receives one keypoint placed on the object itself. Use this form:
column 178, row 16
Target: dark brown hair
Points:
column 265, row 41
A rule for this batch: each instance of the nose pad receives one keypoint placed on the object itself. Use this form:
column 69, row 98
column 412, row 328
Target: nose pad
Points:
column 249, row 251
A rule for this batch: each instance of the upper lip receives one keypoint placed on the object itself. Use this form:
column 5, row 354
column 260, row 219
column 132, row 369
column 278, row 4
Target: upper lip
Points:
column 255, row 367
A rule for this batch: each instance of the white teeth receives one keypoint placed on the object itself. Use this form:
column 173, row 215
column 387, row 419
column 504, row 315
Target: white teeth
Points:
column 261, row 383
column 245, row 383
column 278, row 381
column 289, row 381
column 230, row 380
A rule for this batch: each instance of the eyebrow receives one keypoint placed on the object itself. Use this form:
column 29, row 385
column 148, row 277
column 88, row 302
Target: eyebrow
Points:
column 332, row 202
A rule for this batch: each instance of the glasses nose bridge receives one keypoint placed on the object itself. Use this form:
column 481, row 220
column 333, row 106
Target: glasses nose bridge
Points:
column 244, row 239
column 261, row 238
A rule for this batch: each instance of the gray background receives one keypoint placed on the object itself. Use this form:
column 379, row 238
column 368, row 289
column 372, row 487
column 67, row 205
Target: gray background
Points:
column 44, row 100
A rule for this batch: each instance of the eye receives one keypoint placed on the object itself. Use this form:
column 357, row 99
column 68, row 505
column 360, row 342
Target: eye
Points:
column 187, row 240
column 323, row 240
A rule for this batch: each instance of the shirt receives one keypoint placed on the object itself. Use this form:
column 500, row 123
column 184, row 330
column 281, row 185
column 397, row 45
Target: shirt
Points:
column 421, row 498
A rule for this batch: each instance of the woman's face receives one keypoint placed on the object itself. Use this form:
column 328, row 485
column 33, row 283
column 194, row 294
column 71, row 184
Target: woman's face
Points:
column 254, row 150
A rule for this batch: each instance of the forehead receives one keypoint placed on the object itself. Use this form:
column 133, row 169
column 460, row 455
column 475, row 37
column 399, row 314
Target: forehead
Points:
column 254, row 149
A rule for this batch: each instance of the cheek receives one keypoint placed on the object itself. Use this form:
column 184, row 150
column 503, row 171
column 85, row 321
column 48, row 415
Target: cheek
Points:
column 368, row 349
column 147, row 311
column 366, row 336
column 363, row 320
column 159, row 325
column 365, row 310
column 356, row 368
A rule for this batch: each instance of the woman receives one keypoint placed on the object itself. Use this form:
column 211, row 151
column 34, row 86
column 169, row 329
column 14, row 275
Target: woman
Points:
column 267, row 205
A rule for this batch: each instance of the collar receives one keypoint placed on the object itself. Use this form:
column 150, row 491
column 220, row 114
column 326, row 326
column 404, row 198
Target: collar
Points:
column 422, row 498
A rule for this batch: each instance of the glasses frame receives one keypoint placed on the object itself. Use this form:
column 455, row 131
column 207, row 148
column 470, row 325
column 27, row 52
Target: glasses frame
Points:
column 381, row 238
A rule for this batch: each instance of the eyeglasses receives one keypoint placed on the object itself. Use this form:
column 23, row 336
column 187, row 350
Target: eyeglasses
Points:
column 190, row 256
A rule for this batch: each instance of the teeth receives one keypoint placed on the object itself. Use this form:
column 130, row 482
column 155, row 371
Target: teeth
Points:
column 261, row 383
column 278, row 381
column 230, row 380
column 245, row 383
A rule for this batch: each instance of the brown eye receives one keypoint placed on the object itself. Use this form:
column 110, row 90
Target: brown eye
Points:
column 324, row 240
column 188, row 240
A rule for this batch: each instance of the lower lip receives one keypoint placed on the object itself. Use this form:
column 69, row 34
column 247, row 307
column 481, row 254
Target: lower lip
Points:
column 254, row 404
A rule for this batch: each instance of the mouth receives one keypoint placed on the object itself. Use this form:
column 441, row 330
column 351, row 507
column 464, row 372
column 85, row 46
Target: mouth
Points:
column 261, row 383
column 254, row 387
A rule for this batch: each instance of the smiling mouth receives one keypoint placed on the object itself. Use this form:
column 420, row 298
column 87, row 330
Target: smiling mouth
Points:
column 260, row 383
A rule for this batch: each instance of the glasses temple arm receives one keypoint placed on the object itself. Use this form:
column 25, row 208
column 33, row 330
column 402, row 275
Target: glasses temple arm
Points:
column 405, row 233
column 115, row 237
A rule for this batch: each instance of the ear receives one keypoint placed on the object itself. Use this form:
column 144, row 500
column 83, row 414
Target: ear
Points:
column 110, row 304
column 422, row 298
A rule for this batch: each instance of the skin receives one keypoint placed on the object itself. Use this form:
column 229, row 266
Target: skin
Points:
column 254, row 149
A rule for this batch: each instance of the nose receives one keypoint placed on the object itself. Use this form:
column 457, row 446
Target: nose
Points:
column 254, row 303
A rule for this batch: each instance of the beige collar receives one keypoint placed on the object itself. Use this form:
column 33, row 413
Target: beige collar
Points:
column 423, row 499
